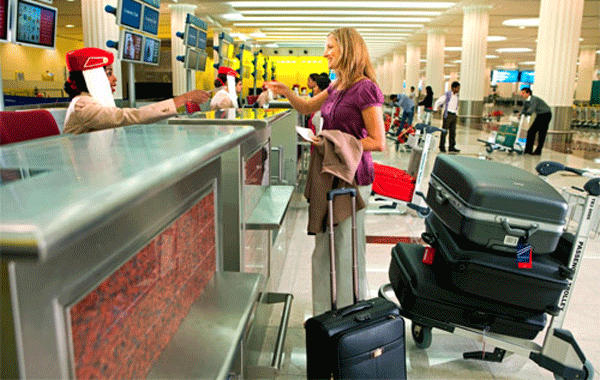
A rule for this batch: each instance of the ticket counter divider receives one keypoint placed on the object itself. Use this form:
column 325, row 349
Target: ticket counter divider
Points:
column 113, row 244
column 256, row 217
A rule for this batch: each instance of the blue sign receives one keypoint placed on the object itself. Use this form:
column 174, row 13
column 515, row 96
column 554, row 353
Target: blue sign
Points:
column 201, row 40
column 150, row 24
column 505, row 76
column 131, row 13
column 191, row 36
column 527, row 76
column 154, row 3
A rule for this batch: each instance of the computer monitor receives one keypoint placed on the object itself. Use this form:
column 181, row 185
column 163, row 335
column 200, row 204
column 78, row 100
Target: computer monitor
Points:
column 150, row 20
column 4, row 14
column 130, row 46
column 191, row 59
column 191, row 35
column 201, row 66
column 201, row 40
column 505, row 76
column 151, row 50
column 129, row 13
column 35, row 24
column 527, row 76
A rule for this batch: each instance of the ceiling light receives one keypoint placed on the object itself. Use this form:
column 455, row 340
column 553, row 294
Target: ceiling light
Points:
column 332, row 25
column 362, row 31
column 449, row 65
column 258, row 34
column 69, row 26
column 491, row 56
column 341, row 12
column 496, row 38
column 341, row 4
column 423, row 60
column 452, row 48
column 513, row 50
column 271, row 46
column 527, row 63
column 457, row 61
column 522, row 22
column 241, row 36
column 597, row 51
column 235, row 17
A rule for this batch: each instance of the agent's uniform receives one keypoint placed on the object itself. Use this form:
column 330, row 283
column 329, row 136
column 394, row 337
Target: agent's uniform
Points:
column 533, row 104
column 86, row 114
column 221, row 100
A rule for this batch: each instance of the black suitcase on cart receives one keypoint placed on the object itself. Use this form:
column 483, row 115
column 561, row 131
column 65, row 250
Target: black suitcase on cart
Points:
column 496, row 275
column 361, row 341
column 494, row 204
column 428, row 303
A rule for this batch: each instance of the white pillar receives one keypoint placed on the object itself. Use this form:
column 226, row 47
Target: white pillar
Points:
column 413, row 63
column 387, row 76
column 587, row 59
column 178, row 15
column 472, row 66
column 99, row 27
column 398, row 70
column 436, row 41
column 556, row 60
column 379, row 73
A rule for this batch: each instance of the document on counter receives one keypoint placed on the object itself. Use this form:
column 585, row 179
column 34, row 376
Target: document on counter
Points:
column 306, row 133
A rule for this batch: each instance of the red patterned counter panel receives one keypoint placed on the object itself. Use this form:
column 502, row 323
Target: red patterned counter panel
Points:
column 123, row 325
column 255, row 167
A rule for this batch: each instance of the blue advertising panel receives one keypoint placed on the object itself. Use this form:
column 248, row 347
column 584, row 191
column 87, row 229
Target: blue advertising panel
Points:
column 191, row 35
column 154, row 3
column 35, row 24
column 505, row 76
column 151, row 50
column 130, row 13
column 201, row 40
column 150, row 24
column 527, row 76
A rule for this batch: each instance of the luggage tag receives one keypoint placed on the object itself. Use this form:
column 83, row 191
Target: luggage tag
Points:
column 524, row 253
column 428, row 255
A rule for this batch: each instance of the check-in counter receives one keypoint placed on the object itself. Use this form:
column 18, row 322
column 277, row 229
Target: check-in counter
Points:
column 111, row 248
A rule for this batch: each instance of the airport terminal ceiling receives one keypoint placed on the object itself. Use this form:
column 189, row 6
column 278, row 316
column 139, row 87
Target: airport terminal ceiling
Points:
column 386, row 25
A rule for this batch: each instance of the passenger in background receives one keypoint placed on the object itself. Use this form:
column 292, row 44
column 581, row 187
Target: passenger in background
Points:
column 427, row 104
column 91, row 84
column 311, row 83
column 352, row 104
column 408, row 111
column 543, row 115
column 228, row 85
column 449, row 102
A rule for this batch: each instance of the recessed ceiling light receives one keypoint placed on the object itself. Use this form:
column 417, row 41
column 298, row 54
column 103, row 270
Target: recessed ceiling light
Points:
column 238, row 17
column 453, row 48
column 332, row 25
column 513, row 50
column 495, row 38
column 258, row 34
column 69, row 26
column 449, row 65
column 522, row 22
column 527, row 63
column 491, row 56
column 342, row 4
column 353, row 12
column 457, row 61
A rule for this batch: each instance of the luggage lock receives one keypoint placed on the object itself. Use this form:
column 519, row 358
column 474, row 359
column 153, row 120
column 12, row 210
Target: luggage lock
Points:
column 440, row 196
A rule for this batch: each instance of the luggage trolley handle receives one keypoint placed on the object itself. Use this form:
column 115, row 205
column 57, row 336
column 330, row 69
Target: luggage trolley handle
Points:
column 330, row 195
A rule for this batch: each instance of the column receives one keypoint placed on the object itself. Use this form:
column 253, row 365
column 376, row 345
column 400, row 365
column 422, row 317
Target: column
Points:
column 178, row 15
column 387, row 76
column 99, row 27
column 413, row 63
column 434, row 74
column 556, row 63
column 587, row 59
column 398, row 70
column 472, row 65
column 379, row 73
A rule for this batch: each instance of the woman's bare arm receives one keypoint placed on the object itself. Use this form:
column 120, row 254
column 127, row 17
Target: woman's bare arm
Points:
column 305, row 106
column 375, row 140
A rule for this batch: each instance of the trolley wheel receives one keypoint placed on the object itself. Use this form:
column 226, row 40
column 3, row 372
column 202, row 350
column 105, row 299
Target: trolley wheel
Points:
column 588, row 372
column 489, row 149
column 421, row 335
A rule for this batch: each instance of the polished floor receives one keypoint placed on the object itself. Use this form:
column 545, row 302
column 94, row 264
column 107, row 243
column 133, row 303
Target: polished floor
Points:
column 443, row 360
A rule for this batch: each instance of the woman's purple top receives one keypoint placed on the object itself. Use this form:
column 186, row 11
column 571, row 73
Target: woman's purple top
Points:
column 342, row 110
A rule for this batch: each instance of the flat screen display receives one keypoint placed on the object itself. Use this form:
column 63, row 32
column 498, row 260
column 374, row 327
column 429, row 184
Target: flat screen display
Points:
column 191, row 37
column 191, row 59
column 35, row 24
column 224, row 49
column 154, row 3
column 132, row 46
column 4, row 20
column 151, row 50
column 130, row 14
column 150, row 24
column 201, row 62
column 527, row 76
column 201, row 40
column 505, row 76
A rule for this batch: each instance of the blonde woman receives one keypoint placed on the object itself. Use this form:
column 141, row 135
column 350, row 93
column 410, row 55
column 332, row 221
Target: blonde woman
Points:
column 351, row 104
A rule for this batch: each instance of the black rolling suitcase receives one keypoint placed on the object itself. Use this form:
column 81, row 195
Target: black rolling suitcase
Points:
column 495, row 275
column 495, row 205
column 427, row 302
column 360, row 341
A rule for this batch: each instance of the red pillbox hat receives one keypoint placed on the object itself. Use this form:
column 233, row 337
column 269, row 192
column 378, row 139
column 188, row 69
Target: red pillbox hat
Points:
column 88, row 58
column 228, row 71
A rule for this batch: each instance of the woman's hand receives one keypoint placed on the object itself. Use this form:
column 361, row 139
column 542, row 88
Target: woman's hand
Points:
column 278, row 88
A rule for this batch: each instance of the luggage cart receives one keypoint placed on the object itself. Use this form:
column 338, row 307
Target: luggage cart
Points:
column 559, row 352
column 422, row 139
column 506, row 139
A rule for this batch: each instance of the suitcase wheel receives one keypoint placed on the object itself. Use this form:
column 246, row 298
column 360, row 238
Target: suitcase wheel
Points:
column 421, row 335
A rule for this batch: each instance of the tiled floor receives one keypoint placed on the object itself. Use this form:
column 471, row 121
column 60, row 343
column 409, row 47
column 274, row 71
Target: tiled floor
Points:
column 443, row 360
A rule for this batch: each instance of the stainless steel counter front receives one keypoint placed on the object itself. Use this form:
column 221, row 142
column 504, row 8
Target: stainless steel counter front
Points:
column 88, row 177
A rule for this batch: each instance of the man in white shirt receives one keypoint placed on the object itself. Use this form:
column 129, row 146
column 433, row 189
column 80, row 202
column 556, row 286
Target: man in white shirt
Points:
column 450, row 103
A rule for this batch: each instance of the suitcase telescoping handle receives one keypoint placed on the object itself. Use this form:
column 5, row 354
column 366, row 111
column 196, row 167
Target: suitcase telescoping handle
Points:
column 330, row 195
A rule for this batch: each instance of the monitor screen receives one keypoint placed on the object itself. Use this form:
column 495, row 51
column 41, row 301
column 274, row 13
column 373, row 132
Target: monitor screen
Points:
column 132, row 46
column 35, row 24
column 201, row 61
column 151, row 50
column 201, row 40
column 191, row 36
column 191, row 59
column 154, row 3
column 3, row 20
column 150, row 24
column 224, row 49
column 527, row 76
column 505, row 76
column 130, row 13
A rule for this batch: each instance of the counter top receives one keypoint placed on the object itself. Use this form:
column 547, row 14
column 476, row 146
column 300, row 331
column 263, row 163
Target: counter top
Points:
column 240, row 116
column 57, row 188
